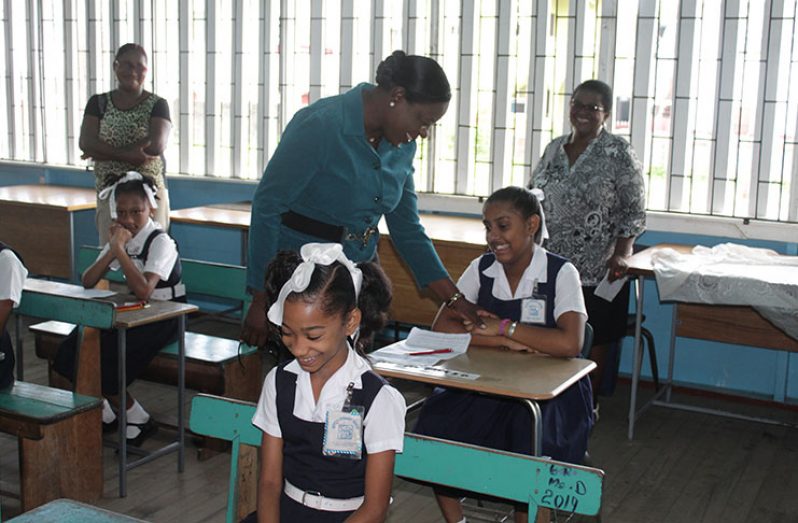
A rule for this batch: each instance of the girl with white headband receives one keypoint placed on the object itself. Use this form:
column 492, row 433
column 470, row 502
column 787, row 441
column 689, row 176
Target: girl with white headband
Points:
column 148, row 258
column 331, row 426
column 537, row 301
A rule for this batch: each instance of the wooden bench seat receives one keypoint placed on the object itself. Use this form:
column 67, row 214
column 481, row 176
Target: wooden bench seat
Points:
column 213, row 365
column 60, row 442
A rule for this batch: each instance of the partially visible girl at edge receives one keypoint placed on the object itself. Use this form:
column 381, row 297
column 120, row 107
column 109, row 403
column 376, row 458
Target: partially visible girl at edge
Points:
column 537, row 299
column 310, row 471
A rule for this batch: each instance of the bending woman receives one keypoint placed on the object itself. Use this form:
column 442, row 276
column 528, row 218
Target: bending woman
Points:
column 343, row 163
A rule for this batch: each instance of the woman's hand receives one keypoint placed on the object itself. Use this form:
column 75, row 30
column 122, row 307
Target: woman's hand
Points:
column 617, row 266
column 471, row 314
column 255, row 330
column 136, row 154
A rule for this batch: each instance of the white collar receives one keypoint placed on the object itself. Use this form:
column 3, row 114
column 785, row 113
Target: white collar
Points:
column 136, row 243
column 354, row 366
column 536, row 271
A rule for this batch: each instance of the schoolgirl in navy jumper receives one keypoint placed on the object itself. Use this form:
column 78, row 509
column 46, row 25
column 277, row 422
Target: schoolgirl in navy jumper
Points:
column 12, row 279
column 536, row 297
column 149, row 260
column 331, row 426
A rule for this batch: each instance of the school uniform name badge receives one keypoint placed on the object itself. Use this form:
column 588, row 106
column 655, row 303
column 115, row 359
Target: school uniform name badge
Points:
column 533, row 310
column 343, row 430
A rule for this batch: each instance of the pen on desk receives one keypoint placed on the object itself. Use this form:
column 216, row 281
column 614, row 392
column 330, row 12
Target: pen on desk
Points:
column 429, row 352
column 132, row 306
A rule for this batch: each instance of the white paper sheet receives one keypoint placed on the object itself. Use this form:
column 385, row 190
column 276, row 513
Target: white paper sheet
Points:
column 421, row 340
column 609, row 290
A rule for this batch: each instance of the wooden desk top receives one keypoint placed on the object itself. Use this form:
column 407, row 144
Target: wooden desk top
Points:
column 441, row 228
column 67, row 198
column 501, row 372
column 157, row 311
column 233, row 215
column 449, row 229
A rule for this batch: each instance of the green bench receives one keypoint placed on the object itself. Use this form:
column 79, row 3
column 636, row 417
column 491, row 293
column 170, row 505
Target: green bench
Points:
column 59, row 432
column 214, row 365
column 541, row 483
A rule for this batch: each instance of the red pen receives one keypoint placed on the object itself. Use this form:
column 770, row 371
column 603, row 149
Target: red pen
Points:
column 132, row 306
column 428, row 352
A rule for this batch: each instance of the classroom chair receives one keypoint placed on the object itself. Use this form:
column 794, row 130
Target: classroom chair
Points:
column 646, row 339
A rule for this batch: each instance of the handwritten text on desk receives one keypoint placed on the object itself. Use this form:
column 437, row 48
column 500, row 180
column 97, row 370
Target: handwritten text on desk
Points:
column 564, row 488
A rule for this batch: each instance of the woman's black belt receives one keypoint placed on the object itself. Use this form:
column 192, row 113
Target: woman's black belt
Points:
column 324, row 231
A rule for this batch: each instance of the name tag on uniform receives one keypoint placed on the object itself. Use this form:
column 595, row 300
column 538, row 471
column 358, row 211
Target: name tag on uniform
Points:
column 343, row 430
column 533, row 310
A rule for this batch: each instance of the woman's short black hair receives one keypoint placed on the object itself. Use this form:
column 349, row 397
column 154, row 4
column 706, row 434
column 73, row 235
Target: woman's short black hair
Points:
column 422, row 78
column 130, row 47
column 601, row 89
column 522, row 200
column 333, row 286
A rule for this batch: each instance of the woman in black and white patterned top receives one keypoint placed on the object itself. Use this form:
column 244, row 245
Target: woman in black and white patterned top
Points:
column 594, row 199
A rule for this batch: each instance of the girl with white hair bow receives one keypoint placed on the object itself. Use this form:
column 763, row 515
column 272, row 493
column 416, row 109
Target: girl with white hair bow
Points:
column 327, row 402
column 148, row 257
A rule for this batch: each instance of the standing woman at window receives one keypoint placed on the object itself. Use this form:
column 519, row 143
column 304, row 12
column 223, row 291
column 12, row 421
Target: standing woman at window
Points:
column 343, row 163
column 127, row 130
column 594, row 200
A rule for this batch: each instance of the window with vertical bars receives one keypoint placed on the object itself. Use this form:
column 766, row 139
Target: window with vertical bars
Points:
column 706, row 91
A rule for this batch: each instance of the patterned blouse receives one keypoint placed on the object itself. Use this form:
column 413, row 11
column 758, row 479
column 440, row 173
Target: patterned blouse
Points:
column 590, row 204
column 119, row 128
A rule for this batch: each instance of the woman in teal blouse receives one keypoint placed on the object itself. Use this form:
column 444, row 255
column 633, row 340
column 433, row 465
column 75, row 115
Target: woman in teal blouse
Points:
column 344, row 162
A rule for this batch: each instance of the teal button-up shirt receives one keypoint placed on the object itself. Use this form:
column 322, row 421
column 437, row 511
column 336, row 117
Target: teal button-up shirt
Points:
column 325, row 169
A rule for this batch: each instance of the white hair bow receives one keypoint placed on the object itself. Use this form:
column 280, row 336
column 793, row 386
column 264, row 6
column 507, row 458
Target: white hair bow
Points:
column 544, row 232
column 110, row 191
column 313, row 254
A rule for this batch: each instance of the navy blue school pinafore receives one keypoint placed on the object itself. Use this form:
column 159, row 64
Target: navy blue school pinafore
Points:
column 6, row 347
column 305, row 466
column 506, row 424
column 142, row 343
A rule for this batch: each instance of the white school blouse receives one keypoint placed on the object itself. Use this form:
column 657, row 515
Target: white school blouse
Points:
column 384, row 425
column 12, row 277
column 162, row 255
column 568, row 288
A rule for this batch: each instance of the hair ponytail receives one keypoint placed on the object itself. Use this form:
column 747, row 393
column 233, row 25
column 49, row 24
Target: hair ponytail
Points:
column 374, row 302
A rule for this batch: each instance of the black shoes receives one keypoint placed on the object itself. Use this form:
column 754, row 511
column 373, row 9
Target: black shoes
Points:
column 147, row 429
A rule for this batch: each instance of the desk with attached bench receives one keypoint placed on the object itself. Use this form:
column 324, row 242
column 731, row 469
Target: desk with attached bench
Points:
column 38, row 299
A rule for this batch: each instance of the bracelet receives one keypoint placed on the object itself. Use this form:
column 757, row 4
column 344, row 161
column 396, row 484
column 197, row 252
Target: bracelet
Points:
column 451, row 301
column 503, row 325
column 511, row 330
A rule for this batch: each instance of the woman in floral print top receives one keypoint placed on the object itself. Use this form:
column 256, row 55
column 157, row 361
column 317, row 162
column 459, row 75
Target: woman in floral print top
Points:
column 127, row 130
column 594, row 200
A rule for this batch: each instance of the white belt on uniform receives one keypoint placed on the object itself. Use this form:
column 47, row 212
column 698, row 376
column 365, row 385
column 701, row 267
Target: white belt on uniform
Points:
column 316, row 501
column 165, row 293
